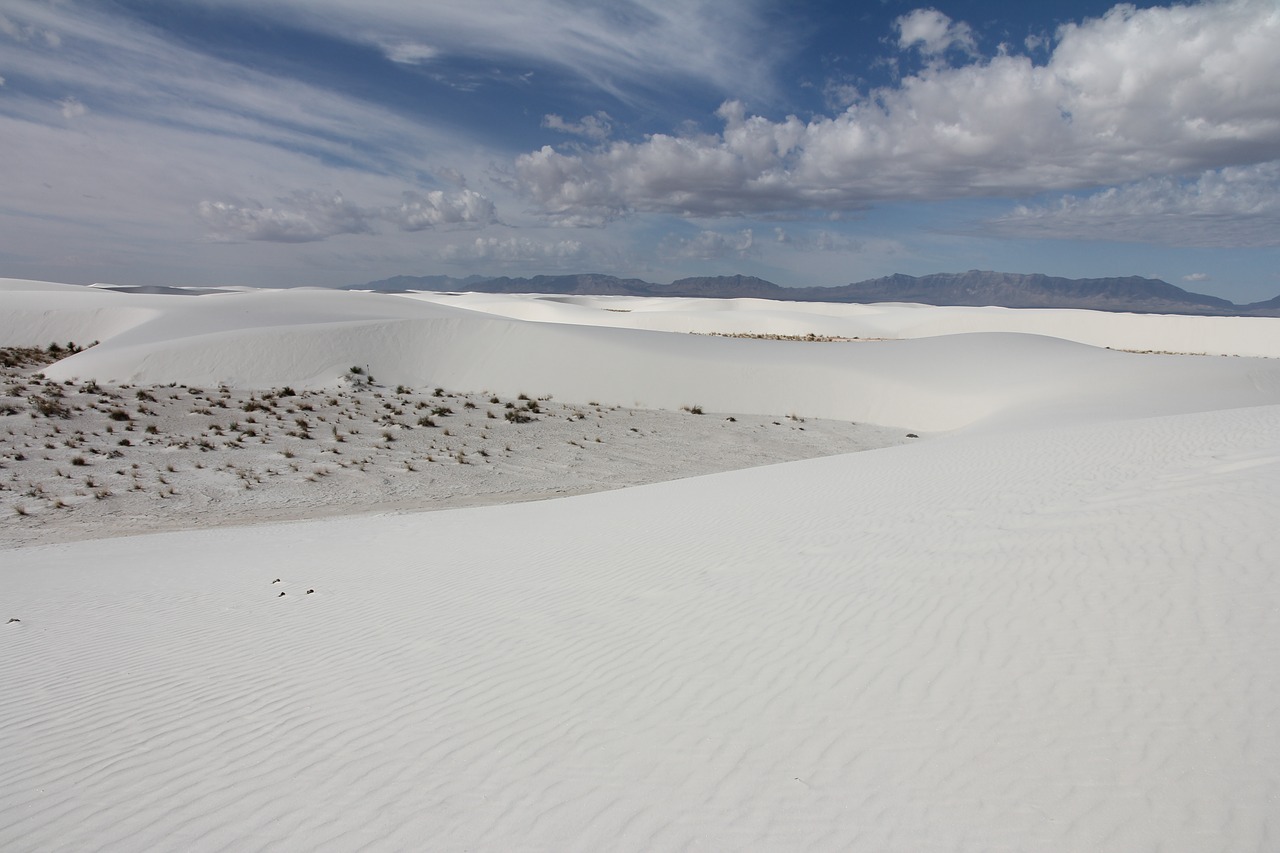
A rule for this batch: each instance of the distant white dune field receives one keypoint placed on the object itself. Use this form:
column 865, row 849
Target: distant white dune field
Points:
column 312, row 337
column 1243, row 336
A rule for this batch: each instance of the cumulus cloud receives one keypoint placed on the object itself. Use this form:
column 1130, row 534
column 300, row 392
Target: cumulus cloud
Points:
column 1196, row 276
column 419, row 211
column 512, row 250
column 1122, row 98
column 934, row 33
column 302, row 217
column 72, row 108
column 595, row 127
column 306, row 216
column 709, row 245
column 1235, row 206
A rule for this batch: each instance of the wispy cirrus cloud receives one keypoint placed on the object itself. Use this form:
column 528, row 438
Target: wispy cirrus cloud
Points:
column 630, row 49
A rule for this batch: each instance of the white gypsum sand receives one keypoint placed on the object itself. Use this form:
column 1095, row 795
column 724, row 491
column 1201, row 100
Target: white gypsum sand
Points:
column 1052, row 628
column 86, row 460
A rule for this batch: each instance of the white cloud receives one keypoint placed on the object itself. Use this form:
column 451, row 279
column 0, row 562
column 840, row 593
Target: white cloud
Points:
column 1124, row 97
column 303, row 217
column 512, row 250
column 709, row 245
column 419, row 211
column 831, row 241
column 1235, row 206
column 624, row 48
column 409, row 52
column 933, row 33
column 307, row 216
column 205, row 94
column 72, row 108
column 29, row 32
column 595, row 127
column 1196, row 276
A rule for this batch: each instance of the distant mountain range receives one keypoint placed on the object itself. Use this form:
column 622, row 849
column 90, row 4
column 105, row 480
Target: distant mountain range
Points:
column 975, row 288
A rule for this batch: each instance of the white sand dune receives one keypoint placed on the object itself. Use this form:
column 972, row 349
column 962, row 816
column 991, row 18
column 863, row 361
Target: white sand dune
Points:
column 311, row 338
column 1244, row 336
column 1054, row 629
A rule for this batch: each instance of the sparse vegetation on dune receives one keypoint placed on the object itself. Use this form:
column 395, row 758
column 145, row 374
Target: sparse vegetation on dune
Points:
column 176, row 456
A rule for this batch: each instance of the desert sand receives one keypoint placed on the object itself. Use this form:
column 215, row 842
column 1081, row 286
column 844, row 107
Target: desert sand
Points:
column 1048, row 622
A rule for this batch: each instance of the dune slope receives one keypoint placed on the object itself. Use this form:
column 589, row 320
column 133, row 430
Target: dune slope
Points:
column 1055, row 640
column 1052, row 628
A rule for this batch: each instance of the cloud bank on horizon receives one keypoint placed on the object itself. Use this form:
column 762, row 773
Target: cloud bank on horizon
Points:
column 328, row 142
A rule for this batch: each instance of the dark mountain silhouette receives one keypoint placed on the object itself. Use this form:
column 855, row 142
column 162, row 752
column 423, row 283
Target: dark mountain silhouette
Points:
column 973, row 288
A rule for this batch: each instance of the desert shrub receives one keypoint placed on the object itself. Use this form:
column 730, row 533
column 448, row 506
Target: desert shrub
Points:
column 518, row 416
column 441, row 411
column 118, row 415
column 79, row 460
column 426, row 422
column 49, row 406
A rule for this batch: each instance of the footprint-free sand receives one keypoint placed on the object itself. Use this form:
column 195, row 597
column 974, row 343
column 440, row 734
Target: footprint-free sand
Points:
column 1048, row 623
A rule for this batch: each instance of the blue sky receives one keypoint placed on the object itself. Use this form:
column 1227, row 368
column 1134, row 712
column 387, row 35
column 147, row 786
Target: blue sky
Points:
column 329, row 142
